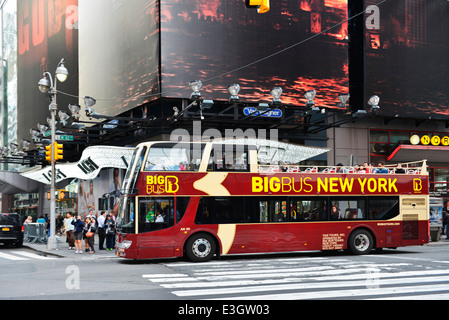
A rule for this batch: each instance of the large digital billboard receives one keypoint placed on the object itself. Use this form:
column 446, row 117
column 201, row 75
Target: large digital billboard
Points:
column 46, row 33
column 132, row 50
column 218, row 41
column 119, row 53
column 407, row 52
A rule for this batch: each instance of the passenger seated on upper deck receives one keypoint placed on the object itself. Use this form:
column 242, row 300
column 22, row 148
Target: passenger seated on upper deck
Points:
column 341, row 169
column 399, row 169
column 381, row 168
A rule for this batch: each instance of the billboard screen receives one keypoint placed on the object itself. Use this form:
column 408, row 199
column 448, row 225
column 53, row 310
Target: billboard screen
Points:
column 406, row 57
column 218, row 41
column 101, row 193
column 119, row 53
column 46, row 33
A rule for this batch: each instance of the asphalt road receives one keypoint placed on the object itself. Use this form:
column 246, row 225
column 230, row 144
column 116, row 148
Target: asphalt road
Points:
column 412, row 273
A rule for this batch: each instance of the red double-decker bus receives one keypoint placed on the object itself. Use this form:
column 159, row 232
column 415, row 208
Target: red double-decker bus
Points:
column 202, row 200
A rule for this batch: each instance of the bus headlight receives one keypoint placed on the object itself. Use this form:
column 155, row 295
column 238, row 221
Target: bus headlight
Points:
column 124, row 245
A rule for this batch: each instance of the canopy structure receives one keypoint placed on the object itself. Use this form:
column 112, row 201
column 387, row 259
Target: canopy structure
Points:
column 93, row 160
column 96, row 158
column 406, row 152
column 276, row 152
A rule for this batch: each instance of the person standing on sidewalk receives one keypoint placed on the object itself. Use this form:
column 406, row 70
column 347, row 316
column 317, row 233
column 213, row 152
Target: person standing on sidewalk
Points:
column 110, row 232
column 101, row 230
column 78, row 234
column 90, row 233
column 68, row 230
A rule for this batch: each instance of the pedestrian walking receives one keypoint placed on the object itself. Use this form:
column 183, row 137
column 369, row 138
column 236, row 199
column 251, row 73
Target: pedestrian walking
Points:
column 110, row 232
column 78, row 234
column 90, row 229
column 68, row 230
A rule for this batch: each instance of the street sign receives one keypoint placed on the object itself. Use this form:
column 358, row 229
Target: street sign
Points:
column 274, row 113
column 64, row 138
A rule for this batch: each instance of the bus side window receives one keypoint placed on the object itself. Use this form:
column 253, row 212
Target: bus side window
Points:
column 155, row 213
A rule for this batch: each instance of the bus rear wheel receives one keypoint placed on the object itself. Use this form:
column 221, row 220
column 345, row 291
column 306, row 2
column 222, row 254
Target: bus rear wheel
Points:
column 360, row 242
column 200, row 247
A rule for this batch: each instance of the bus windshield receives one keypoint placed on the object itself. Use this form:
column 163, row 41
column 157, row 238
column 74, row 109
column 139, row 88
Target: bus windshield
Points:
column 125, row 219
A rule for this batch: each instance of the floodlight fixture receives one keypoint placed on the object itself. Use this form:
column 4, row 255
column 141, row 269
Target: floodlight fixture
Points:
column 310, row 96
column 206, row 104
column 75, row 110
column 4, row 151
column 42, row 128
column 374, row 103
column 276, row 94
column 196, row 86
column 234, row 90
column 89, row 102
column 26, row 144
column 14, row 147
column 343, row 98
column 34, row 134
column 63, row 117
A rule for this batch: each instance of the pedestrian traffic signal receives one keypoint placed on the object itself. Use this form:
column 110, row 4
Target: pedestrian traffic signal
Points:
column 63, row 195
column 48, row 153
column 262, row 6
column 59, row 151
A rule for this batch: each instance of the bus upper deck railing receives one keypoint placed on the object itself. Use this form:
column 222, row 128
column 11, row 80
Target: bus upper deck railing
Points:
column 419, row 167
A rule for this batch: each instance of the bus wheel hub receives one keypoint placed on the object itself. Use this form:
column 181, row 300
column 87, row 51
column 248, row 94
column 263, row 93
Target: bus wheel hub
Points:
column 201, row 247
column 362, row 242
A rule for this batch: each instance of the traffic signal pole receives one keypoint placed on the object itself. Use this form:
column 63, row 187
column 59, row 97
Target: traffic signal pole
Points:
column 52, row 244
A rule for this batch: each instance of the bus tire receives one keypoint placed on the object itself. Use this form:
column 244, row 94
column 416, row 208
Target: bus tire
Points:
column 200, row 247
column 360, row 242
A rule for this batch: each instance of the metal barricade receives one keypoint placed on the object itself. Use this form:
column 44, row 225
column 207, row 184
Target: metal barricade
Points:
column 35, row 233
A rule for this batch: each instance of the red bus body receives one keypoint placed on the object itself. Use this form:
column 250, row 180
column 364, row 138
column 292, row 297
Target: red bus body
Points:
column 410, row 227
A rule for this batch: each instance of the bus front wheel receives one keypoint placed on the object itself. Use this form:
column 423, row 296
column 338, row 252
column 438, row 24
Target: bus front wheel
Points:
column 200, row 247
column 360, row 242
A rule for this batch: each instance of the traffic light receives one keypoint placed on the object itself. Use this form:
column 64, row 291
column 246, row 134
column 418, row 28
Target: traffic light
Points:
column 63, row 195
column 48, row 153
column 59, row 151
column 261, row 5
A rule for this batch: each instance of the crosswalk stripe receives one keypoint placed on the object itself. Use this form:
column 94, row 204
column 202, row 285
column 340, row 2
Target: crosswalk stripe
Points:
column 11, row 257
column 208, row 284
column 363, row 292
column 438, row 296
column 308, row 286
column 32, row 255
column 298, row 279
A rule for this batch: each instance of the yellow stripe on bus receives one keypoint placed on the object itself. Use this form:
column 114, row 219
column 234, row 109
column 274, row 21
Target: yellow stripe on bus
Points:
column 226, row 233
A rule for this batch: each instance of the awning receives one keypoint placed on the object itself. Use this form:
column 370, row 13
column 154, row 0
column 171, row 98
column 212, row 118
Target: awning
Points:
column 96, row 158
column 406, row 153
column 13, row 182
column 93, row 160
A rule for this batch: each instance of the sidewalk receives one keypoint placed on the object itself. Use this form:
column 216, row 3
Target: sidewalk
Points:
column 64, row 252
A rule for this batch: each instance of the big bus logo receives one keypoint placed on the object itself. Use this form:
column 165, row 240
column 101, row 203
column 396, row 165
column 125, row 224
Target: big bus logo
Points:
column 162, row 184
column 417, row 185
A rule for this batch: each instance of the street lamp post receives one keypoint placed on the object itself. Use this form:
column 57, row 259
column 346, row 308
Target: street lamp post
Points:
column 46, row 86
